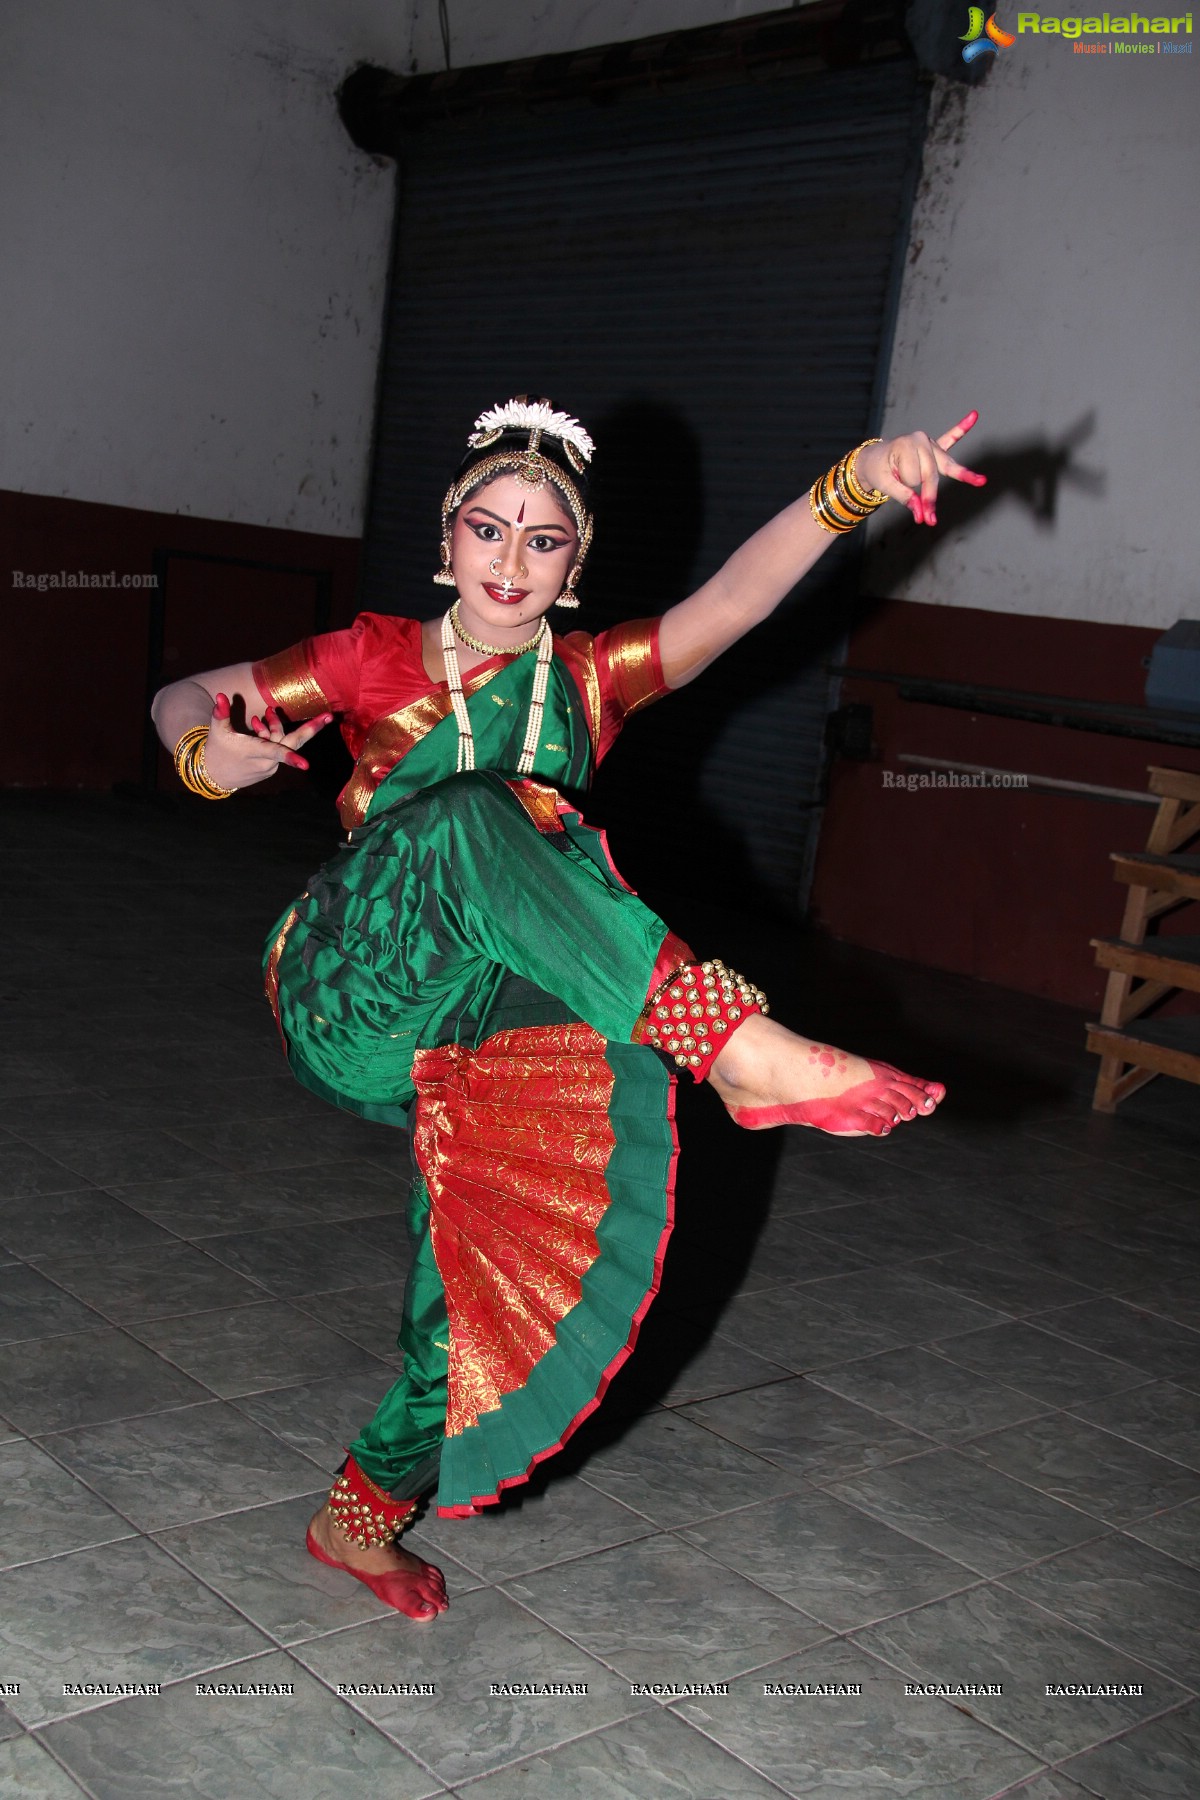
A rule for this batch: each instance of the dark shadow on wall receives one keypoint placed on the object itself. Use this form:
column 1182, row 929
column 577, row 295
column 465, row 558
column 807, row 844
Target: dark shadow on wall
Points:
column 1032, row 471
column 653, row 793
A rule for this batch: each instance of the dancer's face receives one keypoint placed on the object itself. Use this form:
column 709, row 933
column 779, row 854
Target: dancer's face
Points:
column 511, row 550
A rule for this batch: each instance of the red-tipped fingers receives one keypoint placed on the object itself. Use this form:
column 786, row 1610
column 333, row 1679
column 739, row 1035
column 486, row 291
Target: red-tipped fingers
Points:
column 303, row 732
column 959, row 472
column 957, row 431
column 929, row 483
column 221, row 706
column 293, row 761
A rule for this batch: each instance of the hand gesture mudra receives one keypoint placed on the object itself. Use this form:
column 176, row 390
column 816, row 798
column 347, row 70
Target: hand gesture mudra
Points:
column 907, row 468
column 238, row 759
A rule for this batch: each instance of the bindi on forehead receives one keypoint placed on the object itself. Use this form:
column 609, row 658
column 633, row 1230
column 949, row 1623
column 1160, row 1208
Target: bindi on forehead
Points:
column 521, row 514
column 552, row 525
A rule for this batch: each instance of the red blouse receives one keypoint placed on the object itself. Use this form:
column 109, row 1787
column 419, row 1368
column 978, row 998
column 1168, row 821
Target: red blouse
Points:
column 374, row 670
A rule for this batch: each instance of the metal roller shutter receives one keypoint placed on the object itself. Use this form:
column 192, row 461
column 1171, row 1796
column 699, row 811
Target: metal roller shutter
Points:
column 705, row 278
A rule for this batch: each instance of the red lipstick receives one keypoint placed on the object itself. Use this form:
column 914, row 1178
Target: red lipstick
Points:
column 505, row 596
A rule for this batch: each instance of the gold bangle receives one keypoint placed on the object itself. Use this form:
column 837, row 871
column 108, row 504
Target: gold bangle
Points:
column 838, row 501
column 826, row 514
column 184, row 751
column 857, row 509
column 211, row 789
column 871, row 497
column 191, row 769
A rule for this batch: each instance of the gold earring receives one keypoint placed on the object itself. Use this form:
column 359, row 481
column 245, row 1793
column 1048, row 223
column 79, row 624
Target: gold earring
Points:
column 445, row 575
column 569, row 597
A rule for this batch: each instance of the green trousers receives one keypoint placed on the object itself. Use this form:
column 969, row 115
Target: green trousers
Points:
column 399, row 1449
column 450, row 918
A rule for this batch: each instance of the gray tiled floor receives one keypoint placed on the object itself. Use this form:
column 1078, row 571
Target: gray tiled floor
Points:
column 909, row 1416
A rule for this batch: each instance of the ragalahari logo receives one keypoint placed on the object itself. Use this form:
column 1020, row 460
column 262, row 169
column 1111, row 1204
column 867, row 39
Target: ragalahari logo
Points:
column 983, row 39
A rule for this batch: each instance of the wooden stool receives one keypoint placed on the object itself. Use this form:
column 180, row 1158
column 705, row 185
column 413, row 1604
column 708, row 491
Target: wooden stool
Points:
column 1158, row 879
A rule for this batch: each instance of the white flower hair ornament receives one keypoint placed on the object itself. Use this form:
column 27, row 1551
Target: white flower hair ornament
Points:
column 536, row 417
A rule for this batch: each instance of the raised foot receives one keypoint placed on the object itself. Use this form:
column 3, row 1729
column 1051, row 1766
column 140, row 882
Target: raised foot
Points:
column 395, row 1576
column 868, row 1108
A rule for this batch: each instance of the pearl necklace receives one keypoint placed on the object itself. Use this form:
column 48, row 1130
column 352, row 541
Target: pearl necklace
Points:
column 541, row 677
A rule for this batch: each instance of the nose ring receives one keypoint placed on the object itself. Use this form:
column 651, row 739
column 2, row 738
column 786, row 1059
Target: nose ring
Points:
column 494, row 567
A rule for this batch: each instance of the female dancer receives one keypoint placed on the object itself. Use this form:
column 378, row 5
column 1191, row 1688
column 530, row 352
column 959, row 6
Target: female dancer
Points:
column 471, row 966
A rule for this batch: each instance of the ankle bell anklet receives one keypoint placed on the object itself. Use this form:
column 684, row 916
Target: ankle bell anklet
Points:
column 363, row 1512
column 691, row 1015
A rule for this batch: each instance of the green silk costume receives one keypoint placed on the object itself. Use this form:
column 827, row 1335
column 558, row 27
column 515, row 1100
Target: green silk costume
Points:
column 472, row 967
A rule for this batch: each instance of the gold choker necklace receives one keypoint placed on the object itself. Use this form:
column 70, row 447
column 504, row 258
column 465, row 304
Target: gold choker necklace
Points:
column 482, row 649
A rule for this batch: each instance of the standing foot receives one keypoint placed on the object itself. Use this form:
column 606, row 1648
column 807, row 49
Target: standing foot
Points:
column 396, row 1576
column 767, row 1075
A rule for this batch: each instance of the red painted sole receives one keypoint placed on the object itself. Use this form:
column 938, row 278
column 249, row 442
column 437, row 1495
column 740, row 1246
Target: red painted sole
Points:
column 387, row 1588
column 865, row 1110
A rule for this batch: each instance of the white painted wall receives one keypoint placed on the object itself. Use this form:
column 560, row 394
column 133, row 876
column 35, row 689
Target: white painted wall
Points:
column 194, row 256
column 194, row 262
column 1053, row 283
column 484, row 31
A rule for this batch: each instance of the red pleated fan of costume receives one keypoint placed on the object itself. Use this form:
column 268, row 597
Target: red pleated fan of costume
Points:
column 513, row 1139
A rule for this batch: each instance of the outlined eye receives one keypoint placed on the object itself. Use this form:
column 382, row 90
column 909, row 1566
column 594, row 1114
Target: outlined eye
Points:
column 481, row 529
column 544, row 543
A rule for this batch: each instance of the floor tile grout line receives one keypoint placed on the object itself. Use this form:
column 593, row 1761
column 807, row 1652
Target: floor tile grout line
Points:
column 983, row 1575
column 669, row 1707
column 815, row 1375
column 1121, row 1436
column 272, row 1637
column 908, row 1455
column 349, row 1700
column 758, row 1770
column 1143, row 1378
column 110, row 1702
column 1125, row 1731
column 975, row 1579
column 1116, row 1301
column 1107, row 1530
column 195, row 1312
column 1174, row 1555
column 1003, row 1731
column 1111, row 1525
column 135, row 1530
column 562, row 1562
column 999, row 1731
column 1160, row 1669
column 202, row 1399
column 754, row 1387
column 268, row 1299
column 502, row 1587
column 729, row 1512
column 464, row 1787
column 50, row 1751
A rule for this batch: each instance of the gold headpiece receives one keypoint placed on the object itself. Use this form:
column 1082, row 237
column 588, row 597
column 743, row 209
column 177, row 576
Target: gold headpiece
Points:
column 529, row 465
